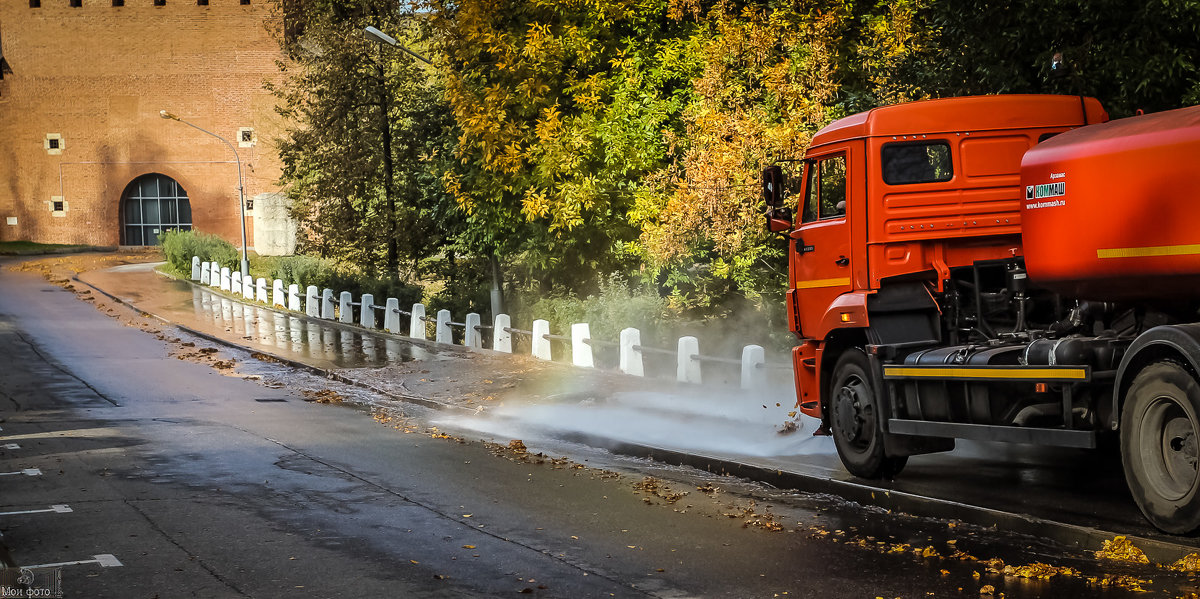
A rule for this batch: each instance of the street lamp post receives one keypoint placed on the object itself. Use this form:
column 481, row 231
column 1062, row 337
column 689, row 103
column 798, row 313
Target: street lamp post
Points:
column 393, row 245
column 241, row 187
column 382, row 38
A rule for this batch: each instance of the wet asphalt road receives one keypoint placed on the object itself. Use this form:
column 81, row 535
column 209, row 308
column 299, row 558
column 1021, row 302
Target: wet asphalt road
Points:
column 206, row 485
column 1080, row 488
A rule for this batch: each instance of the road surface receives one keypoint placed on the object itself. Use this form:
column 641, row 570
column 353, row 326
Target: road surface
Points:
column 167, row 477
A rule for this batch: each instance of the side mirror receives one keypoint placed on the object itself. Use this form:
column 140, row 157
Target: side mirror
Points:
column 779, row 219
column 772, row 183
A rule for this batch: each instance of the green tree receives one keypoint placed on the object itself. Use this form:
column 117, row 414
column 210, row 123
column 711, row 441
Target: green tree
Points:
column 368, row 138
column 1130, row 55
column 554, row 131
column 769, row 75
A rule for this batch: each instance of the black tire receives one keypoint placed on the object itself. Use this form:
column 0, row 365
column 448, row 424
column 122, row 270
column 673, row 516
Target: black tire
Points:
column 854, row 419
column 1159, row 427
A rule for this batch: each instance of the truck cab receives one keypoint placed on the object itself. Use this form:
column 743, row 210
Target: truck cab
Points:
column 894, row 198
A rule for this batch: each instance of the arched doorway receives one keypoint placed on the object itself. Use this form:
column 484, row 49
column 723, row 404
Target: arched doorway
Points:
column 150, row 205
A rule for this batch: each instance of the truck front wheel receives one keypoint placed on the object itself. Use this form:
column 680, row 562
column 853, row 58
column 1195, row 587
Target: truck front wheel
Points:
column 855, row 420
column 1159, row 427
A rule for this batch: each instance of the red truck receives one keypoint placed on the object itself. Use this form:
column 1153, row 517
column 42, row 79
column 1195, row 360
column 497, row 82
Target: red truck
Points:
column 1010, row 268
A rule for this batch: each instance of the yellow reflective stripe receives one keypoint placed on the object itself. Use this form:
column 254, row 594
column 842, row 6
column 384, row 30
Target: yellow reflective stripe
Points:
column 1146, row 252
column 817, row 283
column 987, row 373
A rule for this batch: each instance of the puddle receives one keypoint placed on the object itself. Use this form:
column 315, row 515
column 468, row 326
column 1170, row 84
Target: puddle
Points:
column 318, row 343
column 299, row 337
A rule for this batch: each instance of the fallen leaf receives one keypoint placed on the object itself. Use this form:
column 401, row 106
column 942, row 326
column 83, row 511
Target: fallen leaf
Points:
column 1121, row 549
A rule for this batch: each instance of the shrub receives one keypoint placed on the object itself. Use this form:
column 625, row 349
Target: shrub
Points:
column 616, row 306
column 305, row 270
column 180, row 246
column 338, row 276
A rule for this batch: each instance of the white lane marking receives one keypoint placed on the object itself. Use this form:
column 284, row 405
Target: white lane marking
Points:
column 12, row 446
column 57, row 509
column 26, row 472
column 105, row 560
column 108, row 560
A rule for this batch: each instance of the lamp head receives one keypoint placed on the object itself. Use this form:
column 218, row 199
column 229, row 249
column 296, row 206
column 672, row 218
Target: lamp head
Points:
column 378, row 36
column 166, row 115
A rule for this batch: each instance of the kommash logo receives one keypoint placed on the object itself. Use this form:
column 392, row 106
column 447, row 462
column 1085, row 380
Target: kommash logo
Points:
column 1033, row 193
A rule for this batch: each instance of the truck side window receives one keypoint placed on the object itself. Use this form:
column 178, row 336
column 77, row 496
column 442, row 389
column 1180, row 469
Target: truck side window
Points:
column 833, row 187
column 825, row 190
column 925, row 162
column 810, row 192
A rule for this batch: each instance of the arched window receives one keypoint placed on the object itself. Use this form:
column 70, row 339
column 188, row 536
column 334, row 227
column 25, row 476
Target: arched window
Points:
column 150, row 205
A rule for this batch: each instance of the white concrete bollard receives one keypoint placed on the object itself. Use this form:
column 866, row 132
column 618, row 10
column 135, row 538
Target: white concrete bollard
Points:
column 366, row 314
column 327, row 306
column 294, row 297
column 442, row 332
column 235, row 283
column 501, row 338
column 631, row 353
column 391, row 315
column 248, row 287
column 260, row 291
column 277, row 297
column 312, row 301
column 581, row 350
column 214, row 274
column 195, row 268
column 205, row 275
column 752, row 375
column 541, row 345
column 473, row 337
column 345, row 310
column 225, row 284
column 689, row 369
column 416, row 326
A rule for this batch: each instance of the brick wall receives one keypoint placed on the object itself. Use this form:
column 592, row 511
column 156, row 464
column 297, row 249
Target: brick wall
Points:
column 98, row 75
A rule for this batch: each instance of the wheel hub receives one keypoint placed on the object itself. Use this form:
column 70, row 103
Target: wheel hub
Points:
column 1169, row 448
column 849, row 408
column 1180, row 446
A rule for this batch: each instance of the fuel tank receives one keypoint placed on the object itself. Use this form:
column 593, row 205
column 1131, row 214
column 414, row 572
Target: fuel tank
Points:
column 1112, row 210
column 958, row 401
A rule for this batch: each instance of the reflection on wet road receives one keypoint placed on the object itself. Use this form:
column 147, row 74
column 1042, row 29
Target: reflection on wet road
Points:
column 299, row 337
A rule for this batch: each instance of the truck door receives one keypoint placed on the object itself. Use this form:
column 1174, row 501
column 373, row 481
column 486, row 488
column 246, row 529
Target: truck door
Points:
column 821, row 244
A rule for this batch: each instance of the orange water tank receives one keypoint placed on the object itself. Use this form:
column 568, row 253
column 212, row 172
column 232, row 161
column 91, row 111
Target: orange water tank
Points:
column 1112, row 211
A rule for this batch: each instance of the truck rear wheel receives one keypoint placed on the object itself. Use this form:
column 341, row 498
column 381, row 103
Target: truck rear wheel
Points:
column 1159, row 427
column 855, row 420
